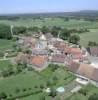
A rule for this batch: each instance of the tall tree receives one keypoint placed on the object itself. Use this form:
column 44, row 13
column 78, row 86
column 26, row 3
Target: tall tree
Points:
column 74, row 39
column 5, row 32
column 44, row 29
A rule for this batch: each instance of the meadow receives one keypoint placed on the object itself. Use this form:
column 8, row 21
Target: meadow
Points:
column 89, row 36
column 5, row 44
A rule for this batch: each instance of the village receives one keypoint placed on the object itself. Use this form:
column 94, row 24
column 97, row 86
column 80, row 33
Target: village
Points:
column 52, row 63
column 43, row 50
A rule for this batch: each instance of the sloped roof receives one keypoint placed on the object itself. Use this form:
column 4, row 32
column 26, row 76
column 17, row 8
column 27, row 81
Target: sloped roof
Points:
column 94, row 51
column 39, row 61
column 95, row 75
column 59, row 58
column 75, row 50
column 39, row 52
column 85, row 70
column 73, row 66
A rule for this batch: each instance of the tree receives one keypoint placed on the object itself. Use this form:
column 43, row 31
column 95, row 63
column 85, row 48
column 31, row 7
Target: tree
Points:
column 17, row 90
column 19, row 30
column 34, row 29
column 42, row 97
column 65, row 34
column 3, row 96
column 53, row 92
column 10, row 69
column 92, row 43
column 83, row 92
column 93, row 97
column 5, row 32
column 19, row 68
column 74, row 39
column 55, row 31
column 44, row 29
column 4, row 73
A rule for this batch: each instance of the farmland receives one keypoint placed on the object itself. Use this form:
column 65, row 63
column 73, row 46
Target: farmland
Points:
column 27, row 83
column 30, row 22
column 60, row 22
column 5, row 44
column 89, row 36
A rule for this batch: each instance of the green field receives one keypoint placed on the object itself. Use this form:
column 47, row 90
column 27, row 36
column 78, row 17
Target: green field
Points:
column 4, row 64
column 90, row 91
column 31, row 81
column 5, row 44
column 90, row 36
column 28, row 22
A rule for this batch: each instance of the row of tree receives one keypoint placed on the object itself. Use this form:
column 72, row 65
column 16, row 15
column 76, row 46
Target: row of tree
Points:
column 66, row 34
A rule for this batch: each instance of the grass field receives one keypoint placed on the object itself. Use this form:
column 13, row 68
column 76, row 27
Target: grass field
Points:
column 51, row 22
column 90, row 90
column 5, row 44
column 90, row 36
column 31, row 79
column 4, row 64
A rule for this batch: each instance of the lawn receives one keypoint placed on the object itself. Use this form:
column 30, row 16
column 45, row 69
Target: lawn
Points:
column 90, row 90
column 5, row 44
column 90, row 36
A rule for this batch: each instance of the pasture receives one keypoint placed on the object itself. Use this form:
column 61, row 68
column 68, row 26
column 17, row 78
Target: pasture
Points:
column 90, row 36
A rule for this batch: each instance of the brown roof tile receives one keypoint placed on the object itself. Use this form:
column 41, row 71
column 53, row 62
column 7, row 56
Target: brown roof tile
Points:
column 39, row 61
column 73, row 66
column 85, row 70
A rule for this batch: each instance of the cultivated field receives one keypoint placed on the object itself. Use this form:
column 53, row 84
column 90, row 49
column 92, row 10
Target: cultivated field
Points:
column 29, row 82
column 90, row 36
column 30, row 22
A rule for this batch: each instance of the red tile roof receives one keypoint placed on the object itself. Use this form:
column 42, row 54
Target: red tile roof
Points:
column 75, row 51
column 85, row 70
column 39, row 61
column 73, row 66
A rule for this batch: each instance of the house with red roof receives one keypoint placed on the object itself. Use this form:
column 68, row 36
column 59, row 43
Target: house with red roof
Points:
column 39, row 62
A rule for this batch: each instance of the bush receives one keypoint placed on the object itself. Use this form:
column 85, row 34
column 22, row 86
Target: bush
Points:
column 41, row 86
column 83, row 92
column 93, row 97
column 17, row 90
column 53, row 92
column 3, row 96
